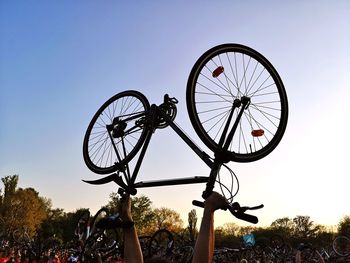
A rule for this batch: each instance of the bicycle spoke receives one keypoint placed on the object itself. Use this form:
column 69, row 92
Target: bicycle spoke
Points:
column 222, row 88
column 215, row 109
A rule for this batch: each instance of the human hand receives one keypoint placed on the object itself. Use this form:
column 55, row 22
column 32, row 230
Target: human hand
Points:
column 215, row 201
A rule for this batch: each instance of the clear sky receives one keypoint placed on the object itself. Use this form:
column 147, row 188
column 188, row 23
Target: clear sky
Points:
column 60, row 60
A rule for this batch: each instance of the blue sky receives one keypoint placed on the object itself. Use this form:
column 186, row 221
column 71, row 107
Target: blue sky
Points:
column 60, row 60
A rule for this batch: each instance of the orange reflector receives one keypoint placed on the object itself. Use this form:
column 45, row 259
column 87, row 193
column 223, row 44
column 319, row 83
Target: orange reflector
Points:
column 218, row 71
column 257, row 133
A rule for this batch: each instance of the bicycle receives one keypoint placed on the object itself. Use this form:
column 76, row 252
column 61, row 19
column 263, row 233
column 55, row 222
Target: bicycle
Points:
column 236, row 102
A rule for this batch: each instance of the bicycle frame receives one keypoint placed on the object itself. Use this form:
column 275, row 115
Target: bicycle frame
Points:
column 155, row 113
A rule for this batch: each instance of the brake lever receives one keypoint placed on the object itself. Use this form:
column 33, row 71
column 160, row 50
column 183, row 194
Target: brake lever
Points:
column 237, row 207
column 236, row 210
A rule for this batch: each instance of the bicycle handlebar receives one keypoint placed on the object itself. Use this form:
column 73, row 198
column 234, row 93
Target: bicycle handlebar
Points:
column 237, row 210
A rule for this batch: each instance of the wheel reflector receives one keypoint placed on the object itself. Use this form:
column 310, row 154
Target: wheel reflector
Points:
column 257, row 133
column 218, row 71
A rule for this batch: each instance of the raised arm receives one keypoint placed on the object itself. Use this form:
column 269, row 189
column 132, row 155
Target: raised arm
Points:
column 204, row 248
column 132, row 247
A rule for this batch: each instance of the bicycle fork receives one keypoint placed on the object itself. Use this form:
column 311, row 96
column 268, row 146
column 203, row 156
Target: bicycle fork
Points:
column 224, row 142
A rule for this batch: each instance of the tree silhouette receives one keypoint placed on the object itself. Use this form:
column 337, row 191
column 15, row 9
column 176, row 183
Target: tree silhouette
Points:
column 192, row 224
column 304, row 227
column 167, row 218
column 25, row 208
column 283, row 226
column 344, row 226
column 22, row 208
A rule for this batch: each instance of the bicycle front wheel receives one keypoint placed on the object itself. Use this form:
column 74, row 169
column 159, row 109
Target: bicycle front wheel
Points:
column 116, row 132
column 225, row 76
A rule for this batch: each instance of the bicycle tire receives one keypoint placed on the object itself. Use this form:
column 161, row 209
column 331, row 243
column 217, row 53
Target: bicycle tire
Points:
column 99, row 240
column 82, row 224
column 210, row 96
column 100, row 154
column 102, row 211
column 20, row 237
column 341, row 246
column 103, row 241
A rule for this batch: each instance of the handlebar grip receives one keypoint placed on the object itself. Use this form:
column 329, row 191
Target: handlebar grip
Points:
column 256, row 207
column 198, row 203
column 246, row 217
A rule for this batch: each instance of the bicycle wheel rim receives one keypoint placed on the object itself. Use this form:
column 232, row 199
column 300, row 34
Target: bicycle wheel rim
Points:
column 341, row 246
column 210, row 98
column 82, row 224
column 103, row 212
column 104, row 153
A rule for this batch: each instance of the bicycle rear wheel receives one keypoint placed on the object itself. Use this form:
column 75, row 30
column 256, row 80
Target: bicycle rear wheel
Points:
column 115, row 133
column 231, row 73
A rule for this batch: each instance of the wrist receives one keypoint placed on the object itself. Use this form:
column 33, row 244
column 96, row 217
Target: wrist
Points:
column 209, row 208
